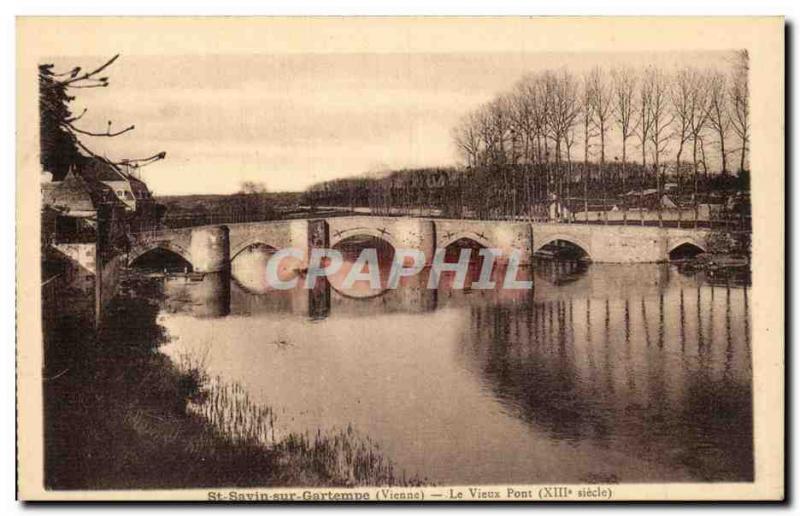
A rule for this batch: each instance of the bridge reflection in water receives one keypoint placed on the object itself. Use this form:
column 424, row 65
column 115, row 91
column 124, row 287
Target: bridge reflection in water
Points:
column 601, row 373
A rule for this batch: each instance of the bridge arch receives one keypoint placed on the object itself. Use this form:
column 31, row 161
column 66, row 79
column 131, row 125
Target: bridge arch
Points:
column 339, row 237
column 685, row 247
column 551, row 239
column 351, row 245
column 478, row 238
column 251, row 244
column 141, row 250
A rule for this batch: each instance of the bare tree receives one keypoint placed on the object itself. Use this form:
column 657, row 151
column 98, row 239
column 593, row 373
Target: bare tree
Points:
column 643, row 134
column 485, row 125
column 718, row 114
column 661, row 118
column 698, row 104
column 526, row 123
column 486, row 133
column 587, row 120
column 740, row 104
column 525, row 138
column 467, row 139
column 569, row 141
column 61, row 139
column 682, row 96
column 538, row 92
column 522, row 104
column 252, row 188
column 562, row 112
column 492, row 128
column 625, row 115
column 601, row 100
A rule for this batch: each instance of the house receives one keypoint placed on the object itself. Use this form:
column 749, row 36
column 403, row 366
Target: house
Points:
column 86, row 221
column 78, row 204
column 649, row 199
column 129, row 189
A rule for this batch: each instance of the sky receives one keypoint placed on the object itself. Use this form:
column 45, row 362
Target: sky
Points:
column 291, row 120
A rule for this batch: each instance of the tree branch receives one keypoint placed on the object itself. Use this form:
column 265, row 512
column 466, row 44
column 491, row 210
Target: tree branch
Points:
column 74, row 118
column 88, row 75
column 108, row 132
column 141, row 162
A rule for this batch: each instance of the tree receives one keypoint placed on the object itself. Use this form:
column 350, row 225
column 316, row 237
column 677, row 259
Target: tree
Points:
column 587, row 119
column 252, row 187
column 467, row 139
column 740, row 104
column 58, row 149
column 525, row 121
column 600, row 96
column 569, row 141
column 502, row 129
column 562, row 110
column 625, row 110
column 489, row 125
column 537, row 91
column 499, row 126
column 718, row 115
column 60, row 142
column 523, row 106
column 681, row 96
column 645, row 125
column 698, row 105
column 660, row 118
column 523, row 136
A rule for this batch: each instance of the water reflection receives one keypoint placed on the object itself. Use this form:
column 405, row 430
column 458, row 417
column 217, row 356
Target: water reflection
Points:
column 683, row 401
column 600, row 373
column 351, row 249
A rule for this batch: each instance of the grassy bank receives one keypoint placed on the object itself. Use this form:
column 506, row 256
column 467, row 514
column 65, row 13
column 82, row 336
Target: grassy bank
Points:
column 121, row 415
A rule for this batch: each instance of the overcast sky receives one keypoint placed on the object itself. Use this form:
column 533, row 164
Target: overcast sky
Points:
column 291, row 120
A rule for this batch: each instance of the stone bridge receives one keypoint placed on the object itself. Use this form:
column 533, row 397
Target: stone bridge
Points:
column 212, row 248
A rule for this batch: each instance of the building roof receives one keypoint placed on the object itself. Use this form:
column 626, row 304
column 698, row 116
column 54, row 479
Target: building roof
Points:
column 77, row 194
column 98, row 173
column 139, row 187
column 98, row 169
column 646, row 191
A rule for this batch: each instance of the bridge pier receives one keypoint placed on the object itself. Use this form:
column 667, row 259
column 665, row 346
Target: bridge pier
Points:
column 319, row 297
column 211, row 297
column 210, row 249
column 511, row 238
column 418, row 234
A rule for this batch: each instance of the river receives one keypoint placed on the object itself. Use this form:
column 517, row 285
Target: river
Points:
column 600, row 373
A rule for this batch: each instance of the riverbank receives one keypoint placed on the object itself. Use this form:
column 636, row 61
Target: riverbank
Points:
column 120, row 415
column 719, row 268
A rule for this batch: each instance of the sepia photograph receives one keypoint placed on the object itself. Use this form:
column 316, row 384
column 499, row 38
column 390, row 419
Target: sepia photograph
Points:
column 390, row 259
